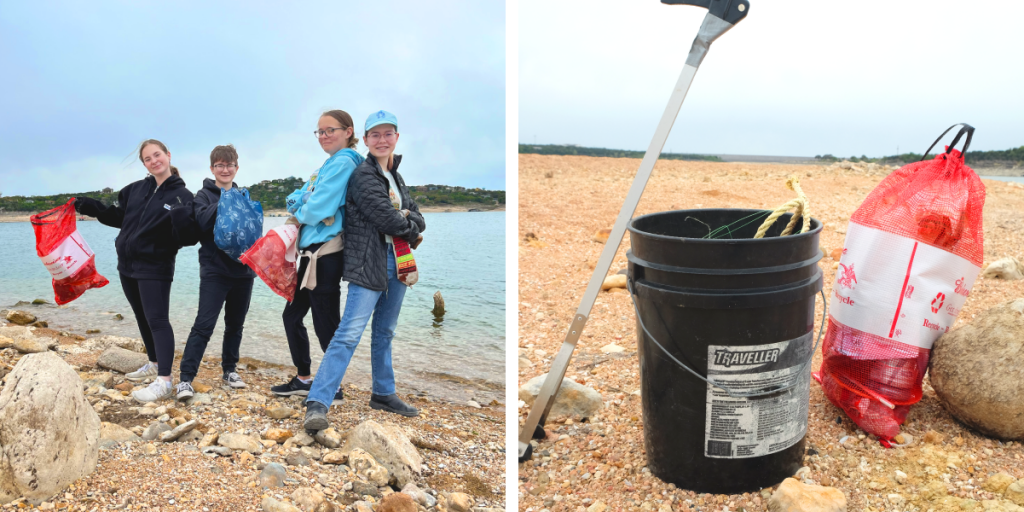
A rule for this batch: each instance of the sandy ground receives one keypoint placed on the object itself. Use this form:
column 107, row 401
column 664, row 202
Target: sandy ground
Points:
column 462, row 446
column 564, row 200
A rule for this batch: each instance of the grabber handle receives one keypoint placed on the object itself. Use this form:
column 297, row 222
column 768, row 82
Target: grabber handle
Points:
column 730, row 11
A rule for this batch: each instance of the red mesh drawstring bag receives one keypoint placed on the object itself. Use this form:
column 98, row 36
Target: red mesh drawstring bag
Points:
column 65, row 254
column 912, row 253
column 272, row 257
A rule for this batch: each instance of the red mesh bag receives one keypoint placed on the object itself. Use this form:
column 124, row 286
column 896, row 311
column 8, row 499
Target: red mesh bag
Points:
column 912, row 253
column 65, row 254
column 273, row 259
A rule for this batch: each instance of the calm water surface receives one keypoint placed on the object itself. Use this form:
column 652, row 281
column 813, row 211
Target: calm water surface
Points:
column 462, row 256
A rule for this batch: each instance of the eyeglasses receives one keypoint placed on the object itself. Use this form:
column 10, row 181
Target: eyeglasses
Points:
column 376, row 136
column 328, row 132
column 221, row 167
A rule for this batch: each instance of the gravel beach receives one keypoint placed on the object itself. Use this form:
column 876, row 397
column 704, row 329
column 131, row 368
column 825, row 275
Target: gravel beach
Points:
column 462, row 445
column 600, row 464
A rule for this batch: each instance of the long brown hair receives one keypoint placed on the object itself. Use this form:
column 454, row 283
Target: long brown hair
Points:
column 147, row 142
column 345, row 120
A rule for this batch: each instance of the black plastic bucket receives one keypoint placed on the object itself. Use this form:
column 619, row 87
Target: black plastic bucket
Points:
column 744, row 305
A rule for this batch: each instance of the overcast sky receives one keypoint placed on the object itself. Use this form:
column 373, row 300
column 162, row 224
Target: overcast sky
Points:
column 795, row 78
column 83, row 83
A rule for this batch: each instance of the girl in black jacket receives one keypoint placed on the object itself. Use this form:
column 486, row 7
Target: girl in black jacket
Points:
column 153, row 215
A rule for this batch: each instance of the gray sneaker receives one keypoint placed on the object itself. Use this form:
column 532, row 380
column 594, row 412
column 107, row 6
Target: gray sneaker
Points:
column 233, row 380
column 185, row 390
column 146, row 372
column 157, row 390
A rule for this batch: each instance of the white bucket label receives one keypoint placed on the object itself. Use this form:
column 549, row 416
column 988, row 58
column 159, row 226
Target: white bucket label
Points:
column 898, row 288
column 741, row 428
column 65, row 259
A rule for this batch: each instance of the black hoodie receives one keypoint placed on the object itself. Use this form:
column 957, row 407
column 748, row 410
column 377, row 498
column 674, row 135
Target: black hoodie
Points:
column 212, row 260
column 155, row 222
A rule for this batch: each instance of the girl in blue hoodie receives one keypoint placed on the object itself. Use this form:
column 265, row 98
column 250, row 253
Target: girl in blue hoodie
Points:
column 319, row 209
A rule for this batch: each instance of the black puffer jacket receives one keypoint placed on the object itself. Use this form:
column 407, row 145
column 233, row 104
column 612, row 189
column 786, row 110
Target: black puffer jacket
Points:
column 155, row 222
column 212, row 260
column 369, row 215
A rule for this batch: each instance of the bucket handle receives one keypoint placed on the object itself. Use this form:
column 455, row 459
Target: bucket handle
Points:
column 733, row 394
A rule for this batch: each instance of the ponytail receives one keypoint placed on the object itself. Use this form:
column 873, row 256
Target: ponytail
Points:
column 174, row 171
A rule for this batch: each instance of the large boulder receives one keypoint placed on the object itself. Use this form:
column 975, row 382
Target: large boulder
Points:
column 49, row 434
column 976, row 371
column 121, row 360
column 389, row 446
column 573, row 400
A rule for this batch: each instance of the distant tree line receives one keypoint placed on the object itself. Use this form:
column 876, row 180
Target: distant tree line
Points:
column 1011, row 156
column 554, row 149
column 272, row 194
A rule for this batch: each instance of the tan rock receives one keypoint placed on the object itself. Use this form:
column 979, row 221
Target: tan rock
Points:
column 20, row 317
column 6, row 342
column 199, row 387
column 280, row 413
column 1008, row 268
column 367, row 467
column 329, row 438
column 116, row 433
column 397, row 502
column 278, row 435
column 933, row 437
column 602, row 235
column 210, row 439
column 976, row 373
column 460, row 502
column 307, row 498
column 934, row 490
column 597, row 506
column 573, row 400
column 271, row 505
column 614, row 281
column 335, row 457
column 32, row 344
column 998, row 482
column 795, row 496
column 240, row 442
column 1015, row 492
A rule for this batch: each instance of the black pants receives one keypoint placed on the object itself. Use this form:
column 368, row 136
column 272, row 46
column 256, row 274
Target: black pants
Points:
column 150, row 300
column 324, row 300
column 233, row 295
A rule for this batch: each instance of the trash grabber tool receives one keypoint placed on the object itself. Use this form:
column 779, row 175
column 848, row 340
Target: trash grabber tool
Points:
column 722, row 15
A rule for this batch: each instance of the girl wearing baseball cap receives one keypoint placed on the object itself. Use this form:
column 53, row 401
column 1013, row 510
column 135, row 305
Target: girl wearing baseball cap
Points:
column 382, row 226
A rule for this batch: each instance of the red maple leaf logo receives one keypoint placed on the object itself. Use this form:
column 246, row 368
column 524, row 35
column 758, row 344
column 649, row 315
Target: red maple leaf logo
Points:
column 67, row 259
column 847, row 277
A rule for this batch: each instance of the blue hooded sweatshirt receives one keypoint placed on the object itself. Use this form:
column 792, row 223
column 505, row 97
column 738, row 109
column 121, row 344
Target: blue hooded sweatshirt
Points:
column 322, row 197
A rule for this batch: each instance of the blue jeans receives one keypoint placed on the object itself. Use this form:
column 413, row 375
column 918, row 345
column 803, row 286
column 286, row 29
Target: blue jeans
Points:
column 359, row 305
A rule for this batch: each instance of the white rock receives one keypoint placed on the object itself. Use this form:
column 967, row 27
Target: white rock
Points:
column 389, row 446
column 612, row 348
column 366, row 466
column 573, row 400
column 49, row 434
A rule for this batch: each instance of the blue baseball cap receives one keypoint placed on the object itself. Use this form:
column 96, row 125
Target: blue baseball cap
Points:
column 381, row 117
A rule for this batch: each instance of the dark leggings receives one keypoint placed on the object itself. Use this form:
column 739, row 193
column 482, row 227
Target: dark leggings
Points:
column 325, row 303
column 150, row 300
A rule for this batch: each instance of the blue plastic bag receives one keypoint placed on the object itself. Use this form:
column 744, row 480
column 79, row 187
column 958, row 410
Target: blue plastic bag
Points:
column 239, row 222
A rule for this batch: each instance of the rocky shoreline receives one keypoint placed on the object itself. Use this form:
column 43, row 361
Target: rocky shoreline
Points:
column 246, row 449
column 599, row 464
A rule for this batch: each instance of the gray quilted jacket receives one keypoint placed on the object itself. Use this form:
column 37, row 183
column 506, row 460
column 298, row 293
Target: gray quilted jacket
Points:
column 369, row 215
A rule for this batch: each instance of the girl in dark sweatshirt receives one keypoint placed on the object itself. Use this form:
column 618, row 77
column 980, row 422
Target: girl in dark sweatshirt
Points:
column 154, row 216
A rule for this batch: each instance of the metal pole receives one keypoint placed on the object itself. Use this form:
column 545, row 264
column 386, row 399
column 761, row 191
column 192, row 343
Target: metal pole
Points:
column 713, row 26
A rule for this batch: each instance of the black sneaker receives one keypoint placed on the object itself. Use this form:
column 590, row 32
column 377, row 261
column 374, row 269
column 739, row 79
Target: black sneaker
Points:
column 316, row 416
column 391, row 403
column 339, row 398
column 292, row 388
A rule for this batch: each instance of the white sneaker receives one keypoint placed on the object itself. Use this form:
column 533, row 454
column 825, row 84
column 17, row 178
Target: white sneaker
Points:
column 147, row 371
column 233, row 380
column 157, row 390
column 185, row 390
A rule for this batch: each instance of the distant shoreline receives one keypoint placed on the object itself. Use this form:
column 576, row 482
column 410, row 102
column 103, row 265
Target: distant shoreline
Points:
column 24, row 217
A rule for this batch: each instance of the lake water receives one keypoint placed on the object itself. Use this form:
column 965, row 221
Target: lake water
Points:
column 462, row 256
column 1014, row 179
